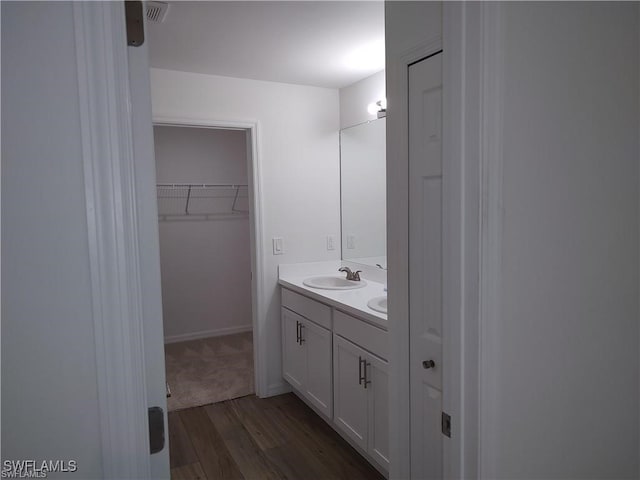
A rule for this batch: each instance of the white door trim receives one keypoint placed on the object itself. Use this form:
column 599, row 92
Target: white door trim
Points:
column 473, row 35
column 112, row 227
column 256, row 228
column 492, row 46
column 461, row 242
column 454, row 274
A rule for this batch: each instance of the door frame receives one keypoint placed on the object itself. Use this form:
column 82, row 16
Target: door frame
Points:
column 113, row 227
column 254, row 178
column 471, row 165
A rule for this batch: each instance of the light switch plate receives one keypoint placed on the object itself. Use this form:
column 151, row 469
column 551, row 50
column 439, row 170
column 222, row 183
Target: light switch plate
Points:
column 331, row 242
column 351, row 241
column 278, row 246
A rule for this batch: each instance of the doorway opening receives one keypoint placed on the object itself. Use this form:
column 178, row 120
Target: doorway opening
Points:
column 206, row 224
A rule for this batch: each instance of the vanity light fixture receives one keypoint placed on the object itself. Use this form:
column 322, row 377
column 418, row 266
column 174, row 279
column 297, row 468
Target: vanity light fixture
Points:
column 378, row 108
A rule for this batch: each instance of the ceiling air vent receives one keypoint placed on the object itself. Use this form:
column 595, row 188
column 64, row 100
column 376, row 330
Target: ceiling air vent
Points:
column 156, row 11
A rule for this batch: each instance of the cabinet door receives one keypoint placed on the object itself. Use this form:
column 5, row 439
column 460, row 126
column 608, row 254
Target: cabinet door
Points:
column 378, row 441
column 293, row 355
column 350, row 397
column 317, row 344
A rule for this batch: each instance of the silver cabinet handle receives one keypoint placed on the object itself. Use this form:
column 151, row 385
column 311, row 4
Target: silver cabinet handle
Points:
column 298, row 332
column 361, row 378
column 301, row 333
column 366, row 381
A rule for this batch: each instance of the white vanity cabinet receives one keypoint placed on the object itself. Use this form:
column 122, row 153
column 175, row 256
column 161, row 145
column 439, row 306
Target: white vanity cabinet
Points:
column 306, row 349
column 350, row 396
column 337, row 363
column 293, row 353
column 361, row 392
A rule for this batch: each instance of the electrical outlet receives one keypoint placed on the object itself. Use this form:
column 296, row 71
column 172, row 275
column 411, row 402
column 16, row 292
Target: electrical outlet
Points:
column 351, row 241
column 278, row 245
column 331, row 242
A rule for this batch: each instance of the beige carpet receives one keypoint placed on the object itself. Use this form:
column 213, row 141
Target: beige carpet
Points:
column 209, row 370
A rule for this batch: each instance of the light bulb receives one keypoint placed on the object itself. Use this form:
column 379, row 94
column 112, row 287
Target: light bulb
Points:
column 376, row 107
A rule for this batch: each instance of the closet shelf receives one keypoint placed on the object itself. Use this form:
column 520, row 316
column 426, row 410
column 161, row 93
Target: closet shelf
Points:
column 208, row 200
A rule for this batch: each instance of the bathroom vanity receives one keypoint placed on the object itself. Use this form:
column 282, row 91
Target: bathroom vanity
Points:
column 335, row 356
column 335, row 347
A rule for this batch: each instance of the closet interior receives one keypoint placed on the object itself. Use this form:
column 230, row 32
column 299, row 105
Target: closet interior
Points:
column 205, row 261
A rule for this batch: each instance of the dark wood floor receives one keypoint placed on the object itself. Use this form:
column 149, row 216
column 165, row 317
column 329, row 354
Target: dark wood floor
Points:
column 254, row 439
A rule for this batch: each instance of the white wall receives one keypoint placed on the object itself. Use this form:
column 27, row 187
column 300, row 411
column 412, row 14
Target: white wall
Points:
column 200, row 155
column 298, row 154
column 409, row 24
column 205, row 261
column 49, row 385
column 355, row 98
column 566, row 360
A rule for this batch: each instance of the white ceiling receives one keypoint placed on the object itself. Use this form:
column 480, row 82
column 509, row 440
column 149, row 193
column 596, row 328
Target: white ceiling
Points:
column 318, row 43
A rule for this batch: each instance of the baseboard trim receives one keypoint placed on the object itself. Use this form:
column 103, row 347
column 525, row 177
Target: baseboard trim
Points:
column 277, row 389
column 218, row 332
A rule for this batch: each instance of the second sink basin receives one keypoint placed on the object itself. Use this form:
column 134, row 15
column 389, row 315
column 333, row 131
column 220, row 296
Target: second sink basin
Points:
column 333, row 282
column 379, row 304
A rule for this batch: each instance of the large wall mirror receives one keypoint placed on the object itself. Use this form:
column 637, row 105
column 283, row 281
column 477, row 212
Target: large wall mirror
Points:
column 363, row 187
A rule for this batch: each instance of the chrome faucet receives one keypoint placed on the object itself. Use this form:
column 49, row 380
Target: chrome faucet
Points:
column 355, row 276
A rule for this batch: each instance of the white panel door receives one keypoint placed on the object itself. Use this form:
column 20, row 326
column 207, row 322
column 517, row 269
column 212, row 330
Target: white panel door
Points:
column 350, row 397
column 317, row 344
column 293, row 355
column 378, row 374
column 425, row 260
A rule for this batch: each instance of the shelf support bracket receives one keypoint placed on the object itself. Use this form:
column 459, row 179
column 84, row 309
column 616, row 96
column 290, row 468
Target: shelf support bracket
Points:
column 186, row 208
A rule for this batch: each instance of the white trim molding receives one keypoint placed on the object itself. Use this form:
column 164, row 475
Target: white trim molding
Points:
column 217, row 332
column 491, row 227
column 460, row 238
column 278, row 389
column 108, row 163
column 461, row 154
column 259, row 303
column 452, row 230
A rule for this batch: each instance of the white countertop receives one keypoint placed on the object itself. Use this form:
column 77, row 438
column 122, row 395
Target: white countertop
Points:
column 353, row 302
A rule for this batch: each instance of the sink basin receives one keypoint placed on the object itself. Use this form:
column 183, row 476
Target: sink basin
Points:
column 333, row 282
column 379, row 304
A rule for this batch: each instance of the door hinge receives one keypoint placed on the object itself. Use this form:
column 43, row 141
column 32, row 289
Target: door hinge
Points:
column 134, row 14
column 446, row 424
column 156, row 429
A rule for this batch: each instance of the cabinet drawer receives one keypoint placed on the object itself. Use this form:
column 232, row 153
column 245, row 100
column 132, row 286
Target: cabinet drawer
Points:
column 310, row 309
column 361, row 333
